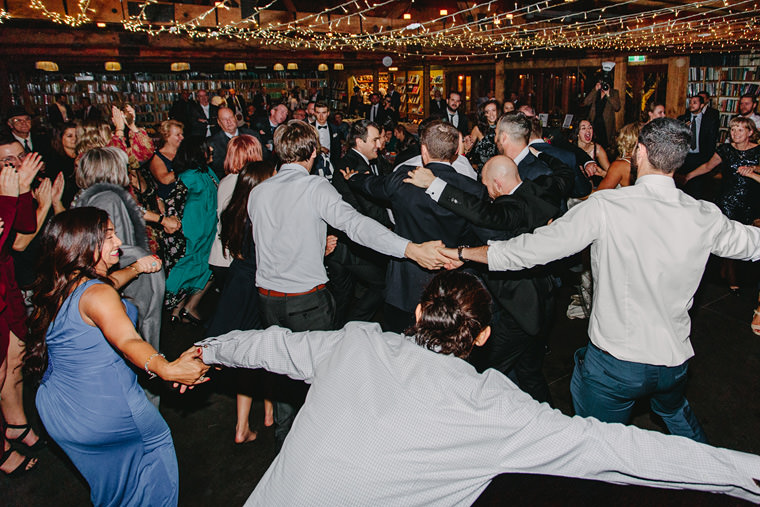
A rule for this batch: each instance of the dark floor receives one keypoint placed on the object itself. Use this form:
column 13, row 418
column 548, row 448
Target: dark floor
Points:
column 214, row 471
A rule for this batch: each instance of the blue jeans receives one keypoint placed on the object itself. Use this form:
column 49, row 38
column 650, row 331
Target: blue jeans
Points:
column 606, row 388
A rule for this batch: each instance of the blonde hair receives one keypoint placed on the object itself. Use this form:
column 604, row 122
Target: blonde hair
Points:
column 627, row 138
column 165, row 129
column 748, row 124
column 92, row 134
column 102, row 165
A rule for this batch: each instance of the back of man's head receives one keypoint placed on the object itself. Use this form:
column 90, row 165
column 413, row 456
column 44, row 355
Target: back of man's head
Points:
column 360, row 130
column 536, row 130
column 441, row 139
column 516, row 127
column 295, row 141
column 667, row 142
column 527, row 110
column 500, row 176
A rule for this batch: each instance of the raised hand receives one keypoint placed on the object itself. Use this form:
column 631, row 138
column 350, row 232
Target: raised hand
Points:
column 9, row 181
column 347, row 173
column 44, row 194
column 420, row 177
column 28, row 169
column 58, row 186
column 118, row 119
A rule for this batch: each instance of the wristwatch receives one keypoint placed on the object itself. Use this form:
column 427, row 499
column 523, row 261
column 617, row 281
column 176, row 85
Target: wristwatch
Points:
column 459, row 252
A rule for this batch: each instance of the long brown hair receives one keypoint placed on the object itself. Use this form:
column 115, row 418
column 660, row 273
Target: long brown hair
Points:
column 70, row 248
column 236, row 226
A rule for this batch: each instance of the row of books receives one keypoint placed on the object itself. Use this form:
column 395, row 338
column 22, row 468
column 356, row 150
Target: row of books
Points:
column 739, row 89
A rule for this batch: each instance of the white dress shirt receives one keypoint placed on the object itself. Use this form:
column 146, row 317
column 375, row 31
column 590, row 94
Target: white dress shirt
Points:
column 453, row 117
column 390, row 423
column 290, row 212
column 324, row 135
column 649, row 246
column 25, row 142
column 207, row 113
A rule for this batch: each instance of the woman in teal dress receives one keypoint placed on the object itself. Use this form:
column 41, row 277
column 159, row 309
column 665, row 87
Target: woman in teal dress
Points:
column 190, row 276
column 81, row 336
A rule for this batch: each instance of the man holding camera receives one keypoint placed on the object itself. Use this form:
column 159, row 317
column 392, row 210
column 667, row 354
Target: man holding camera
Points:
column 604, row 102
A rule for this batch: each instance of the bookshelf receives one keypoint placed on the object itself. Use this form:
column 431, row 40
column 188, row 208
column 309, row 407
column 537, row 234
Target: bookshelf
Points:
column 152, row 95
column 414, row 107
column 727, row 78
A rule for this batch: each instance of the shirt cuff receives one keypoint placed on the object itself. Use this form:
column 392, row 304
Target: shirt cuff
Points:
column 436, row 189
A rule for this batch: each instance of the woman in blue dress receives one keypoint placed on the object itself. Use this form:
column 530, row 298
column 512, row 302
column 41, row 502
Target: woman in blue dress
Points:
column 81, row 337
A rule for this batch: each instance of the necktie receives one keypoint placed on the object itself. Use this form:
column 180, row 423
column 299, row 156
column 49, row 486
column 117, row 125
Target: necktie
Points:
column 27, row 148
column 373, row 167
column 693, row 132
column 374, row 110
column 321, row 127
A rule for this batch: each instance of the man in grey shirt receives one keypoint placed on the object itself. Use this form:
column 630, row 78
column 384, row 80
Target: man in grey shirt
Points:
column 289, row 213
column 405, row 420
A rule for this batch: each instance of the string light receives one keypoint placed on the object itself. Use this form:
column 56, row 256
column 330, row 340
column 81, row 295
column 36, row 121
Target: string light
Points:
column 65, row 19
column 4, row 15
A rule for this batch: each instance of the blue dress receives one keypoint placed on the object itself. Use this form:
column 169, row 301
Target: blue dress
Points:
column 92, row 406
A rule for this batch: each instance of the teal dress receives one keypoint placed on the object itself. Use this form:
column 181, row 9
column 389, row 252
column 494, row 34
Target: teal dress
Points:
column 191, row 272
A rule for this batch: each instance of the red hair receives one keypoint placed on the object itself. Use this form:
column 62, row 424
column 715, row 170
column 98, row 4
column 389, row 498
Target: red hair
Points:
column 241, row 150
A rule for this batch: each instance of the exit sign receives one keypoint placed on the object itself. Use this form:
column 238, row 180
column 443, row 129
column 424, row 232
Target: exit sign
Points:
column 637, row 59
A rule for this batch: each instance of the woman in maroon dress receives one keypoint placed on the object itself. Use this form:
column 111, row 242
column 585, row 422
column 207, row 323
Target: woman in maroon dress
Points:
column 17, row 212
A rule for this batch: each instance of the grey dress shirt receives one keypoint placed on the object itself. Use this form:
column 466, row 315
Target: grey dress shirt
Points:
column 649, row 246
column 290, row 212
column 388, row 422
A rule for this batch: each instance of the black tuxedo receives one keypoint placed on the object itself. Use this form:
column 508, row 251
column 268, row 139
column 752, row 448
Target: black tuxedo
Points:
column 707, row 133
column 524, row 298
column 40, row 144
column 352, row 263
column 437, row 107
column 581, row 185
column 379, row 117
column 335, row 144
column 531, row 167
column 395, row 99
column 55, row 116
column 93, row 113
column 462, row 124
column 198, row 120
column 419, row 219
column 219, row 142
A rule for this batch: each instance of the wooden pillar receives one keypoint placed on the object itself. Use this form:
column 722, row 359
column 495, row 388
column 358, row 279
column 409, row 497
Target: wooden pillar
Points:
column 425, row 91
column 567, row 90
column 499, row 90
column 621, row 75
column 376, row 81
column 5, row 85
column 678, row 79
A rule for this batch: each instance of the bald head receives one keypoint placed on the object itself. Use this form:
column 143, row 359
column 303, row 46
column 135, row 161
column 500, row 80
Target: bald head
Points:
column 500, row 176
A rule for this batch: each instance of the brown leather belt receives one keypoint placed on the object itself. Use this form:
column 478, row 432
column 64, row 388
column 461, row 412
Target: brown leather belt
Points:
column 277, row 294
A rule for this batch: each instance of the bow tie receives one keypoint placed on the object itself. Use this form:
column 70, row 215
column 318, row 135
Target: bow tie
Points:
column 321, row 127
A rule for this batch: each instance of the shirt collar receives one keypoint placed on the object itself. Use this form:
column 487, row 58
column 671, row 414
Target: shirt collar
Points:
column 237, row 133
column 22, row 139
column 536, row 141
column 524, row 153
column 293, row 167
column 516, row 187
column 660, row 180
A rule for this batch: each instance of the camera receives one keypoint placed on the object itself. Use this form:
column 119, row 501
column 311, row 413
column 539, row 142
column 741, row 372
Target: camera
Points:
column 605, row 86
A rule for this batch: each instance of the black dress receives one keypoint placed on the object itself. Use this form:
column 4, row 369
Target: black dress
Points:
column 485, row 148
column 740, row 196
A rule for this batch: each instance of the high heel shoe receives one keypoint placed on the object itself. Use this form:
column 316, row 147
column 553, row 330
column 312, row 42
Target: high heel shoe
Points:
column 39, row 444
column 22, row 468
column 190, row 318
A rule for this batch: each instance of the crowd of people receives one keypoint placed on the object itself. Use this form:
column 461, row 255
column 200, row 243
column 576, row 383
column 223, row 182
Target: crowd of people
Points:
column 346, row 263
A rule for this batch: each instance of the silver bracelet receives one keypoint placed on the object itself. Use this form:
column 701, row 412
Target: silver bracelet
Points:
column 152, row 375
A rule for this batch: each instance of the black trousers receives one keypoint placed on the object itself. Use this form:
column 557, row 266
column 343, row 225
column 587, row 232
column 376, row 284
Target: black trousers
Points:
column 309, row 312
column 511, row 350
column 357, row 283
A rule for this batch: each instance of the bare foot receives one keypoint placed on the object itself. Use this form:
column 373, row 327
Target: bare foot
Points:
column 268, row 413
column 245, row 436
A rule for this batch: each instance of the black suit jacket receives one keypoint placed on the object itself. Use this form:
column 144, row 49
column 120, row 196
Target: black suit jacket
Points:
column 581, row 185
column 708, row 133
column 419, row 219
column 374, row 208
column 219, row 142
column 199, row 122
column 531, row 167
column 395, row 99
column 335, row 146
column 437, row 107
column 463, row 125
column 379, row 117
column 93, row 114
column 54, row 114
column 525, row 295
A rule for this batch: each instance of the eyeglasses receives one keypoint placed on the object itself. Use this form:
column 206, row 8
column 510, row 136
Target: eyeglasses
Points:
column 14, row 160
column 23, row 119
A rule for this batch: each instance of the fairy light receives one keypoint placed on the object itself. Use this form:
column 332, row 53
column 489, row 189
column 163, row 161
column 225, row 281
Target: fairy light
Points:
column 64, row 19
